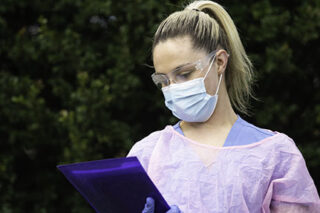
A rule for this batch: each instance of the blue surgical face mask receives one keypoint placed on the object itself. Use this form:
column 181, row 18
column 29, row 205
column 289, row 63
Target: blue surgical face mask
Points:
column 189, row 101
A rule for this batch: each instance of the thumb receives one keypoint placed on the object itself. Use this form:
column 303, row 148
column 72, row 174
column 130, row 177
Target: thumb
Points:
column 174, row 209
column 149, row 206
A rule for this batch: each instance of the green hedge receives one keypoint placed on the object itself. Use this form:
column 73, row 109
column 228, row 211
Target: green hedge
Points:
column 74, row 87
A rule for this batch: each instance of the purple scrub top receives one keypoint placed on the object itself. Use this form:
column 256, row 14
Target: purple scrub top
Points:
column 241, row 133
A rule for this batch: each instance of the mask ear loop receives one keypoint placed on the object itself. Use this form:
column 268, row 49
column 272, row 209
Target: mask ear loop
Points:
column 210, row 67
column 219, row 84
column 209, row 71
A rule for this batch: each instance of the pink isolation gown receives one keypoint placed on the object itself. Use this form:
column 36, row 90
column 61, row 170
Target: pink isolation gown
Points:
column 269, row 175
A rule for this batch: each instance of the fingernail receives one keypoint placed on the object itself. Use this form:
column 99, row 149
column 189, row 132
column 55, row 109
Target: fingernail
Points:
column 148, row 201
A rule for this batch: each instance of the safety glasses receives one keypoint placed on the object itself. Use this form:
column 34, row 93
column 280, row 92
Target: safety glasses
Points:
column 182, row 73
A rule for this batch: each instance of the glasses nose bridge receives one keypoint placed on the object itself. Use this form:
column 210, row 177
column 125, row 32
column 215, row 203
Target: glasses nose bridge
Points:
column 170, row 79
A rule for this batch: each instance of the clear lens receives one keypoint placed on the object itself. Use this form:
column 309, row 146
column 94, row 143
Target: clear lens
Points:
column 184, row 74
column 160, row 80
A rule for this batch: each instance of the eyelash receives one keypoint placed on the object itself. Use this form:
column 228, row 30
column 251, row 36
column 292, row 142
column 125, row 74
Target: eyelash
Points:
column 185, row 75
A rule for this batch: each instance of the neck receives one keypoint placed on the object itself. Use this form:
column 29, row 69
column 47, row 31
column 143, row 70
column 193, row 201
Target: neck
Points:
column 223, row 116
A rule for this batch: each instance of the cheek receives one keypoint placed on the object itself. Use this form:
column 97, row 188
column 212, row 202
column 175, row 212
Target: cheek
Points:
column 211, row 82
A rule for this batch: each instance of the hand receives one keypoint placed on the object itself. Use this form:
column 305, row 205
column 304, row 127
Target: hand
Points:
column 149, row 207
column 174, row 209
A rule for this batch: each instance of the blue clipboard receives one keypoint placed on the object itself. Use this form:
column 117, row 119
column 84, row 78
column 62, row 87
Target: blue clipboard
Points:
column 118, row 185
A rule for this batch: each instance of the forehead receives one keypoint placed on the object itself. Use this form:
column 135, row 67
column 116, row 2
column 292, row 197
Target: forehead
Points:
column 174, row 52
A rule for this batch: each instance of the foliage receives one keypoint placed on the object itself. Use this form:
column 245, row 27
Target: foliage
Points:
column 74, row 87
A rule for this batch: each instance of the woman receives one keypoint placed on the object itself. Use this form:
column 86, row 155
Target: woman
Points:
column 213, row 160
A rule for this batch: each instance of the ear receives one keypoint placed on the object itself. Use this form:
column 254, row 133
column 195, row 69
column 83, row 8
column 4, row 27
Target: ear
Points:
column 222, row 60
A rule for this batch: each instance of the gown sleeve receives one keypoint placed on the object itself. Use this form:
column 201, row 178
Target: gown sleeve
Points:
column 291, row 188
column 143, row 149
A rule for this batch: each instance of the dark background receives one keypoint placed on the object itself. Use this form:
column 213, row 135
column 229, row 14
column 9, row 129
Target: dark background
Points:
column 74, row 87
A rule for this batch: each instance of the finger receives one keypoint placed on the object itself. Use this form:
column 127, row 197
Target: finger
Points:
column 149, row 206
column 174, row 209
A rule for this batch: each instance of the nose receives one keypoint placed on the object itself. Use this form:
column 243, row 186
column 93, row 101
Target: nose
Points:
column 171, row 81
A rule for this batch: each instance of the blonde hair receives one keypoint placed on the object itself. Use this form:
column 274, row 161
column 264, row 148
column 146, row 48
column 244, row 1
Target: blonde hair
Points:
column 210, row 28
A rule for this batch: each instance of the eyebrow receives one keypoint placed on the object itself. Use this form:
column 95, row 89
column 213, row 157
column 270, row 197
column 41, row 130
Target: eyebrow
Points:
column 176, row 68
